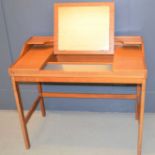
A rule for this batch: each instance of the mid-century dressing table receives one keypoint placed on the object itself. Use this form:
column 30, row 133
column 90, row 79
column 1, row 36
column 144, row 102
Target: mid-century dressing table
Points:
column 83, row 50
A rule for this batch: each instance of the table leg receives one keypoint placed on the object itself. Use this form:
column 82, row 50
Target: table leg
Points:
column 141, row 118
column 42, row 106
column 21, row 113
column 138, row 102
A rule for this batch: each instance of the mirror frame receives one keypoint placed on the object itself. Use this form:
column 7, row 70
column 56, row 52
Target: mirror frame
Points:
column 111, row 27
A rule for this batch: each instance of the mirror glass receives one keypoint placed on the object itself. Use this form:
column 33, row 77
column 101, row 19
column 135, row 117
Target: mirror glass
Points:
column 84, row 28
column 79, row 67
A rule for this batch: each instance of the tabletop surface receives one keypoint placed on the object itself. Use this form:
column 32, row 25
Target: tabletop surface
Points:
column 39, row 61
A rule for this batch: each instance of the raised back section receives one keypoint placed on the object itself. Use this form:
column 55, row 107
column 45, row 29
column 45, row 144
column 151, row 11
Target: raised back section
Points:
column 84, row 28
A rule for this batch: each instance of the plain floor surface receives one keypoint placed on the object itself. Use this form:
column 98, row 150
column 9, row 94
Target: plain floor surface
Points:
column 76, row 133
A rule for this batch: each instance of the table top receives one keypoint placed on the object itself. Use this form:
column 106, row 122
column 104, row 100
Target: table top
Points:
column 40, row 61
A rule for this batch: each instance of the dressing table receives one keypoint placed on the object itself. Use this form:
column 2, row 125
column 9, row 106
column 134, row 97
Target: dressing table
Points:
column 83, row 50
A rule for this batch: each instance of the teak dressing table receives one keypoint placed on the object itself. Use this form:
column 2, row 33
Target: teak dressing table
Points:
column 82, row 50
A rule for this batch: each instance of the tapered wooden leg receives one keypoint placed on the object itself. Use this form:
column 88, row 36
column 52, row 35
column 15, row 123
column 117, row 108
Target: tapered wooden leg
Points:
column 21, row 113
column 141, row 119
column 138, row 102
column 42, row 106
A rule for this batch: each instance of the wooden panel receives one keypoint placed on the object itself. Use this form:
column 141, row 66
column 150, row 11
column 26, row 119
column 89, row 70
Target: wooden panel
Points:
column 85, row 58
column 34, row 59
column 40, row 40
column 128, row 40
column 129, row 59
column 116, row 80
column 86, row 95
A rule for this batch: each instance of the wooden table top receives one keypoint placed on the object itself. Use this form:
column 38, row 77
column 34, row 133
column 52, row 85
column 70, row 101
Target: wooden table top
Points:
column 127, row 61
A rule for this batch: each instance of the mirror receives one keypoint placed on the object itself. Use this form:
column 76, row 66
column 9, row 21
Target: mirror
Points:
column 79, row 67
column 84, row 28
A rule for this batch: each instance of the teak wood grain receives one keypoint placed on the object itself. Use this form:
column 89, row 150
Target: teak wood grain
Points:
column 34, row 59
column 129, row 59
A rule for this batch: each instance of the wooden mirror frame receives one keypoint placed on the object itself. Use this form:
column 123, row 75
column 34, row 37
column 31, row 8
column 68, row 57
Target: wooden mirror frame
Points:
column 111, row 27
